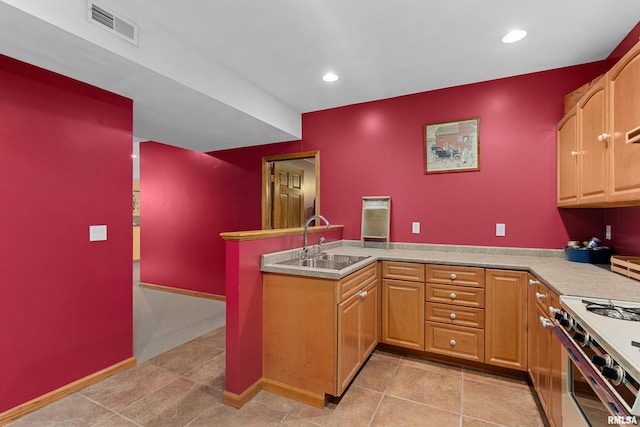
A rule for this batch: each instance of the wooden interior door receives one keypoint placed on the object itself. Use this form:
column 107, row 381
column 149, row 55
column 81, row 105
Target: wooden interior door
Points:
column 288, row 196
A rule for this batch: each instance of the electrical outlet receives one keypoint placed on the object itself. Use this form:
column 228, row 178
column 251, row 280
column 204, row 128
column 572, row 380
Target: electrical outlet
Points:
column 607, row 232
column 500, row 230
column 415, row 227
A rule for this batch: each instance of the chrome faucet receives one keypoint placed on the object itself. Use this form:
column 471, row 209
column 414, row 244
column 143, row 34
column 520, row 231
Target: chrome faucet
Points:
column 305, row 248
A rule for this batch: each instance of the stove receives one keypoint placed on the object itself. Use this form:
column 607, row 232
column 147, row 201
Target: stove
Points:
column 601, row 342
column 617, row 336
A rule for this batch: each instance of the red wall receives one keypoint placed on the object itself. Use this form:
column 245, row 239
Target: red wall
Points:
column 625, row 230
column 187, row 199
column 179, row 216
column 65, row 164
column 376, row 148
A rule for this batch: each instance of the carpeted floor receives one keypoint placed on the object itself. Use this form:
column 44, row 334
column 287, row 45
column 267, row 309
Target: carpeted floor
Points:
column 164, row 320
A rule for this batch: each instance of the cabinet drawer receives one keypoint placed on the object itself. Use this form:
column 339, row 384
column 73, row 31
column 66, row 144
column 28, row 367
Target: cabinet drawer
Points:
column 349, row 284
column 403, row 271
column 545, row 297
column 454, row 315
column 457, row 295
column 453, row 274
column 456, row 341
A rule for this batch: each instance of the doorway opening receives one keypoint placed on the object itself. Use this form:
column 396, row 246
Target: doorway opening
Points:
column 290, row 189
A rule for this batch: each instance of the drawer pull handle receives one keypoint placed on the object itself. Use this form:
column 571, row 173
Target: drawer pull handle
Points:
column 453, row 276
column 452, row 316
column 452, row 296
column 363, row 294
column 534, row 282
column 540, row 296
column 452, row 342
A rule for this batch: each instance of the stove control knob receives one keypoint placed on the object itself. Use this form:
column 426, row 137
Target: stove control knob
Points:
column 583, row 339
column 568, row 323
column 615, row 374
column 604, row 361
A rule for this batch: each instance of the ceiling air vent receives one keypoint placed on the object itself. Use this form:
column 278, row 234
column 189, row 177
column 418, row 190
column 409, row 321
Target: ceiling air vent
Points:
column 116, row 24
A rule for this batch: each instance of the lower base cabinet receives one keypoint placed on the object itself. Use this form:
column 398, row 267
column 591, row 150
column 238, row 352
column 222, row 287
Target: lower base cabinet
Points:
column 357, row 332
column 506, row 319
column 317, row 333
column 403, row 313
column 544, row 351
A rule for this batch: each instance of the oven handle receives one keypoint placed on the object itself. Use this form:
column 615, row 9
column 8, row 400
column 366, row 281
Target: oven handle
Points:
column 598, row 383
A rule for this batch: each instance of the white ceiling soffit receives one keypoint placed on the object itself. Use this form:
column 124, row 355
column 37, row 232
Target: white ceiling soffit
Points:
column 224, row 73
column 182, row 100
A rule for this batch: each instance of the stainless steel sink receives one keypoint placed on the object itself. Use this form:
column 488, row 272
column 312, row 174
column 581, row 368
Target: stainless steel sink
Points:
column 326, row 261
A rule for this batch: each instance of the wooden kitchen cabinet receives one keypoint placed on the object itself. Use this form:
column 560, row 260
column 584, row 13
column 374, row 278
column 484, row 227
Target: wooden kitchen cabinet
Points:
column 598, row 142
column 506, row 319
column 317, row 332
column 403, row 304
column 455, row 314
column 357, row 332
column 544, row 351
column 567, row 152
column 623, row 84
column 591, row 148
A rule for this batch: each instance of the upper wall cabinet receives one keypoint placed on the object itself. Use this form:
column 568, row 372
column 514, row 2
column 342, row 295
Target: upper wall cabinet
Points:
column 623, row 83
column 599, row 141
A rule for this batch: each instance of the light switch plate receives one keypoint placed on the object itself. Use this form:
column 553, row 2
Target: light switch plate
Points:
column 415, row 227
column 607, row 232
column 500, row 230
column 97, row 233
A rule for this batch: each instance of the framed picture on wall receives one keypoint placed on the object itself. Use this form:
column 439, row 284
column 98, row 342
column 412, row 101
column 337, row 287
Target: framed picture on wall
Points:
column 452, row 146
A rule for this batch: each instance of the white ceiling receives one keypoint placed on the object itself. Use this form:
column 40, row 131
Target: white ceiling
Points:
column 214, row 74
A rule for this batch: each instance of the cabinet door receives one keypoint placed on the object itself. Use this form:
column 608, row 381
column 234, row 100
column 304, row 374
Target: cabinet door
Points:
column 567, row 146
column 403, row 313
column 532, row 331
column 349, row 340
column 506, row 319
column 357, row 332
column 592, row 147
column 544, row 339
column 624, row 144
column 555, row 366
column 370, row 320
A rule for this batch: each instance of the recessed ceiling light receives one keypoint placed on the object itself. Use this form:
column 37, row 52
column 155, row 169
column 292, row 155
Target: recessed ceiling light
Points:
column 514, row 36
column 330, row 77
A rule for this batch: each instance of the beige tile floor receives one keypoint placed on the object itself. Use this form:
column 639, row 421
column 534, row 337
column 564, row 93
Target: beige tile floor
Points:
column 183, row 387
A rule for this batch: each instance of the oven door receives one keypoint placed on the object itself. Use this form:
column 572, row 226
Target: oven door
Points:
column 587, row 399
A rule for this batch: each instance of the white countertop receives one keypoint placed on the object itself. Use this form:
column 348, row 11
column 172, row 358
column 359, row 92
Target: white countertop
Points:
column 565, row 277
